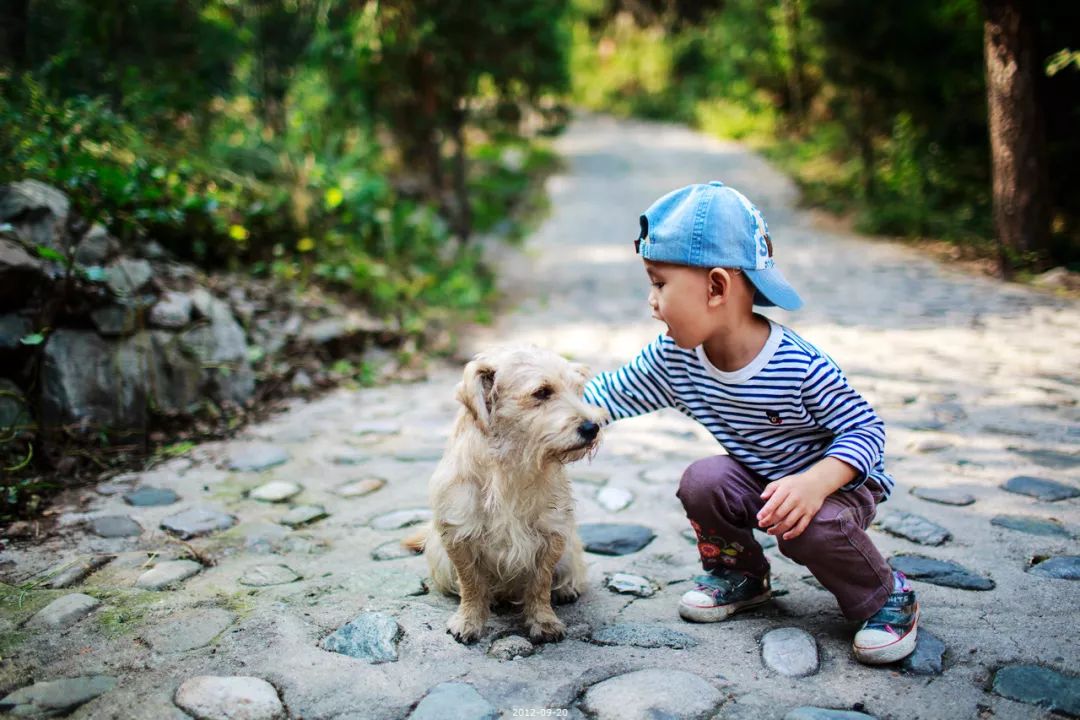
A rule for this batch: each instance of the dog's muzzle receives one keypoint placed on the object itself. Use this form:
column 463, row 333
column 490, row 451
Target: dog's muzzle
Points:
column 588, row 430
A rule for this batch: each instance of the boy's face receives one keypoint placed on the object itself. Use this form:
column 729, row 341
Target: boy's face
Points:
column 679, row 297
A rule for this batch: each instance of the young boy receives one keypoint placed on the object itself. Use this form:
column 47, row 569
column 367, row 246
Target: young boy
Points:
column 804, row 449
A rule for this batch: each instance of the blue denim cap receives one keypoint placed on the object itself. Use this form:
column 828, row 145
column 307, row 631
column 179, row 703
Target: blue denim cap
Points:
column 711, row 226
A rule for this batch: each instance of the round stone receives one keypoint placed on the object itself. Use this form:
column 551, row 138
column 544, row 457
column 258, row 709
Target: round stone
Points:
column 56, row 697
column 628, row 584
column 790, row 651
column 275, row 491
column 209, row 697
column 150, row 496
column 644, row 635
column 1040, row 488
column 614, row 538
column 391, row 550
column 1031, row 525
column 197, row 521
column 1036, row 685
column 943, row 496
column 401, row 518
column 302, row 515
column 188, row 631
column 510, row 647
column 614, row 499
column 257, row 456
column 167, row 573
column 64, row 611
column 266, row 575
column 1062, row 567
column 651, row 694
column 914, row 528
column 454, row 701
column 809, row 712
column 360, row 488
column 372, row 637
column 115, row 526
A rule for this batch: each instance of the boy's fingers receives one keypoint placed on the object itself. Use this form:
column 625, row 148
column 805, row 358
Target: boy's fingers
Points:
column 770, row 507
column 769, row 490
column 798, row 529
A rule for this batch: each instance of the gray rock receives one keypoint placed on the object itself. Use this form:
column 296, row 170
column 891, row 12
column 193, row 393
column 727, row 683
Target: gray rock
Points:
column 1044, row 687
column 38, row 211
column 790, row 651
column 169, row 572
column 56, row 697
column 13, row 328
column 386, row 582
column 375, row 427
column 197, row 521
column 645, row 635
column 189, row 631
column 266, row 575
column 614, row 499
column 69, row 573
column 943, row 496
column 510, row 647
column 930, row 445
column 20, row 273
column 614, row 538
column 114, row 526
column 940, row 572
column 401, row 518
column 221, row 347
column 349, row 457
column 1031, row 525
column 928, row 656
column 1050, row 458
column 628, row 584
column 1062, row 567
column 664, row 475
column 651, row 695
column 302, row 515
column 96, row 247
column 127, row 276
column 88, row 380
column 150, row 497
column 454, row 701
column 116, row 319
column 914, row 528
column 392, row 550
column 1040, row 488
column 275, row 491
column 172, row 311
column 63, row 612
column 208, row 697
column 360, row 487
column 255, row 457
column 809, row 712
column 371, row 637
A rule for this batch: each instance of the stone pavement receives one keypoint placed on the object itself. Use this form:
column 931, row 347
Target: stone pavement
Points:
column 262, row 578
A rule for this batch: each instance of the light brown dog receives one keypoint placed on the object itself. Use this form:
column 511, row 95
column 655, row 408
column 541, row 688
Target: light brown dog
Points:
column 503, row 527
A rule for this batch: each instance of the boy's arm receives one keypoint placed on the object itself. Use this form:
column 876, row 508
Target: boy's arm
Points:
column 859, row 433
column 857, row 447
column 639, row 387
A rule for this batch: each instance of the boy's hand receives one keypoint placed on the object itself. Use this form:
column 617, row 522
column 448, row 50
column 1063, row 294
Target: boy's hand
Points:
column 793, row 501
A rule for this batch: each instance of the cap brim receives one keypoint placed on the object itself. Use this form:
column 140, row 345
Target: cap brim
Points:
column 773, row 289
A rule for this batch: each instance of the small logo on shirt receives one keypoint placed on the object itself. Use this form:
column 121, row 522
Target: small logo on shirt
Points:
column 774, row 417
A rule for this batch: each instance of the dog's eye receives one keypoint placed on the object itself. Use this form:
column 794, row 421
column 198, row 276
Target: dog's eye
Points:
column 544, row 393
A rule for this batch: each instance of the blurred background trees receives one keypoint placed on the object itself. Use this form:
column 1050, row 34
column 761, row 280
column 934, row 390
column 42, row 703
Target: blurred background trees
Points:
column 877, row 109
column 363, row 142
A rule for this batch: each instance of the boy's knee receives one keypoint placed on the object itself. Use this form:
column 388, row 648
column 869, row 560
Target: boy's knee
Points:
column 817, row 538
column 703, row 476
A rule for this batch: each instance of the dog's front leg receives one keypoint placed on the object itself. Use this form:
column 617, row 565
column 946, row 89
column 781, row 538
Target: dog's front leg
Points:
column 540, row 619
column 467, row 624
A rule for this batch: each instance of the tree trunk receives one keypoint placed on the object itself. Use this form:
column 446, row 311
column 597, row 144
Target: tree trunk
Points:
column 1017, row 136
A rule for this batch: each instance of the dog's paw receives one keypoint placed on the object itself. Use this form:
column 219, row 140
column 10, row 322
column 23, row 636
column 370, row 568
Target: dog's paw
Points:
column 545, row 629
column 464, row 628
column 565, row 595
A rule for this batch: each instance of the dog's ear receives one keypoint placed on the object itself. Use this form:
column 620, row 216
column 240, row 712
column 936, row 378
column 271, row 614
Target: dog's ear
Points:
column 476, row 391
column 581, row 369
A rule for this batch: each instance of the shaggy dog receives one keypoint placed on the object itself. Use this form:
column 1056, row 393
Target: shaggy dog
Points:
column 503, row 525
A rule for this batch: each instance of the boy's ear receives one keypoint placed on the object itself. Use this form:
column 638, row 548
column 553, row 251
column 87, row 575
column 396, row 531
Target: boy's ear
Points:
column 719, row 281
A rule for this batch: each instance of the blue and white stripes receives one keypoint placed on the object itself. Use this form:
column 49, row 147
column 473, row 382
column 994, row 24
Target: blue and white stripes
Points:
column 782, row 413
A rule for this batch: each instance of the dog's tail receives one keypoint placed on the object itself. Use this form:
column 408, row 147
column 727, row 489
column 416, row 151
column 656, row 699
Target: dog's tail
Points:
column 418, row 539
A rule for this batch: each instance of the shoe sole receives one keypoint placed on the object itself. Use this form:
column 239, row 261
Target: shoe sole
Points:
column 695, row 613
column 896, row 650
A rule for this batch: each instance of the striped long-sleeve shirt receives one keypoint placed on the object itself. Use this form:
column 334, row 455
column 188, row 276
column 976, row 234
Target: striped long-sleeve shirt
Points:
column 779, row 415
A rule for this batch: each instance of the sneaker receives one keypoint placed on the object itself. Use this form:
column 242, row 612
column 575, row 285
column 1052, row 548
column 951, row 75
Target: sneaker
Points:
column 722, row 593
column 890, row 634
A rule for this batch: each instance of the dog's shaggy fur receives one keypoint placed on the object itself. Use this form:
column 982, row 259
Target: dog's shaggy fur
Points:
column 503, row 526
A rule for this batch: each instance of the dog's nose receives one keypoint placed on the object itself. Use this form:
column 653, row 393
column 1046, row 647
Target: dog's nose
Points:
column 588, row 430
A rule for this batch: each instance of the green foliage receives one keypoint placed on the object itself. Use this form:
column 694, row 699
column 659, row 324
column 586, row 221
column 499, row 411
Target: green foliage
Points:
column 875, row 110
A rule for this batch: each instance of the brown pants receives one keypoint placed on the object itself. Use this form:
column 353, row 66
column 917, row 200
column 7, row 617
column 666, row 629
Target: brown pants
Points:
column 722, row 498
